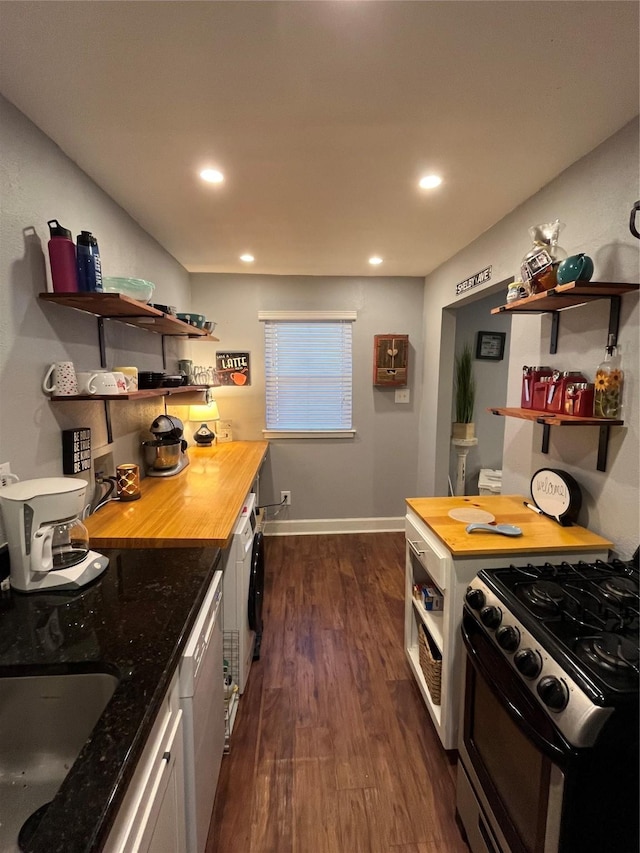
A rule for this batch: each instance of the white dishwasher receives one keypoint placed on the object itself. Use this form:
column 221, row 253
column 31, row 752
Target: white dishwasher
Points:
column 201, row 686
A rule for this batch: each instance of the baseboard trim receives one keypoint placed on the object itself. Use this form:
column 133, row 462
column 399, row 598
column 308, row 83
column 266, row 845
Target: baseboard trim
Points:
column 307, row 527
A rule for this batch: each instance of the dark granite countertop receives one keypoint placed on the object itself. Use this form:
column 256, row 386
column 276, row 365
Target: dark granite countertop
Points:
column 133, row 621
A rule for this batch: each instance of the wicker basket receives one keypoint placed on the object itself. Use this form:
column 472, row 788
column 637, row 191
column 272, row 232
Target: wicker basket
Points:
column 430, row 665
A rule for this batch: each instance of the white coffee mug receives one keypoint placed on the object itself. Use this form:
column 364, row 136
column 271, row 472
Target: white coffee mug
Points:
column 104, row 384
column 61, row 380
column 85, row 381
column 130, row 376
column 121, row 382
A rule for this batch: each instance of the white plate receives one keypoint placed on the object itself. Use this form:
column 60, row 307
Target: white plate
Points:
column 470, row 515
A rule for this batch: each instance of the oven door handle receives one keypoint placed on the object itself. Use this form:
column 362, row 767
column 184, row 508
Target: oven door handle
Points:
column 549, row 748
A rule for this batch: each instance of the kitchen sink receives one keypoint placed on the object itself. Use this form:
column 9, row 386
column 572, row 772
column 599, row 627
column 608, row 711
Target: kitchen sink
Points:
column 44, row 723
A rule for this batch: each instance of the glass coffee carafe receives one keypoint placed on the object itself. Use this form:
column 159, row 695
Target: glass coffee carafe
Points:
column 69, row 543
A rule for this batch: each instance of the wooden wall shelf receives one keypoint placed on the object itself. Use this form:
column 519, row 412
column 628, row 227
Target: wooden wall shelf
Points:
column 548, row 420
column 116, row 306
column 145, row 393
column 568, row 296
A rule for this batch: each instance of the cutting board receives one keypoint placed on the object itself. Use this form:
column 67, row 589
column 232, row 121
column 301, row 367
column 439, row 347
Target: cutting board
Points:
column 539, row 533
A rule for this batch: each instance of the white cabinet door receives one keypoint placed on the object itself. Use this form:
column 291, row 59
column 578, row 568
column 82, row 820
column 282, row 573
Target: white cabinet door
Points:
column 162, row 830
column 152, row 817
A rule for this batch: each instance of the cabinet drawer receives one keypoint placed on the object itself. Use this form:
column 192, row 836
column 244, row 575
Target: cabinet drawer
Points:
column 425, row 547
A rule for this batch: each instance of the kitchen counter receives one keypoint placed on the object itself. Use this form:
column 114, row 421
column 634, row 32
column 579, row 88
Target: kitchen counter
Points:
column 196, row 508
column 133, row 621
column 539, row 533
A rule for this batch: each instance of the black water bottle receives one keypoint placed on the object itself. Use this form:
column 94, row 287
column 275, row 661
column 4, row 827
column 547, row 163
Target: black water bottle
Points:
column 89, row 266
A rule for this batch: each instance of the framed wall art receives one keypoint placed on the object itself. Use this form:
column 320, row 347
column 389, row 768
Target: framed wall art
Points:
column 490, row 345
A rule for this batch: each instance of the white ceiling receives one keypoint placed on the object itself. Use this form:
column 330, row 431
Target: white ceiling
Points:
column 322, row 115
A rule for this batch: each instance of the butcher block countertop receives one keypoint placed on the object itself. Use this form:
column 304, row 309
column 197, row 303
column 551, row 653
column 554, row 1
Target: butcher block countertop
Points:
column 196, row 508
column 539, row 533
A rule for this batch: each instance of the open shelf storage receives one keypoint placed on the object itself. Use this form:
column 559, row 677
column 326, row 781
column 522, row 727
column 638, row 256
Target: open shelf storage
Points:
column 568, row 296
column 116, row 306
column 132, row 395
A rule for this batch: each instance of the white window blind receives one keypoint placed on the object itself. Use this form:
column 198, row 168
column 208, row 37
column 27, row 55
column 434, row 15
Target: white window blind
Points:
column 308, row 367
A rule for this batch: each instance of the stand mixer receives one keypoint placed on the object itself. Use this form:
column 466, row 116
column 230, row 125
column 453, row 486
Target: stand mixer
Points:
column 48, row 543
column 166, row 455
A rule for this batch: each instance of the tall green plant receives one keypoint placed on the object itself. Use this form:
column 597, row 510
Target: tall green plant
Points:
column 465, row 386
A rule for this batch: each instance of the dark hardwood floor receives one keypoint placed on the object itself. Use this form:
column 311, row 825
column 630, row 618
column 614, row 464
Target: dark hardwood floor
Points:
column 333, row 750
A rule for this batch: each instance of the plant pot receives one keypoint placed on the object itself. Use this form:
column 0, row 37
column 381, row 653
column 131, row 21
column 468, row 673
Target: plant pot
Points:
column 463, row 430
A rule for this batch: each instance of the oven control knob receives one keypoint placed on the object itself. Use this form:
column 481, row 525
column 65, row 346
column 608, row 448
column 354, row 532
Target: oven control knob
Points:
column 528, row 662
column 553, row 693
column 475, row 598
column 508, row 638
column 491, row 616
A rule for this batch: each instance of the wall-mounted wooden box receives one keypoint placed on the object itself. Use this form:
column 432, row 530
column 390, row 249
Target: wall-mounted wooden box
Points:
column 390, row 359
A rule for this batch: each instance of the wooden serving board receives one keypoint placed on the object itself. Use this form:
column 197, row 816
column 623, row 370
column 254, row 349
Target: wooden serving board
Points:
column 196, row 508
column 539, row 533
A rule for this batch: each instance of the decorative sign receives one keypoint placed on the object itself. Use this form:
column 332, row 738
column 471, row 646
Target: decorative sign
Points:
column 557, row 494
column 76, row 450
column 233, row 368
column 390, row 359
column 490, row 345
column 473, row 281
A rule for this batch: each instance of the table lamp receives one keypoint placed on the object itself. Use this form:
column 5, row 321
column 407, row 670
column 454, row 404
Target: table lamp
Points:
column 204, row 414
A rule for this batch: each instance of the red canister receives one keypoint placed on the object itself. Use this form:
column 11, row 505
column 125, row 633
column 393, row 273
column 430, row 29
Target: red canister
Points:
column 540, row 391
column 531, row 375
column 558, row 387
column 579, row 399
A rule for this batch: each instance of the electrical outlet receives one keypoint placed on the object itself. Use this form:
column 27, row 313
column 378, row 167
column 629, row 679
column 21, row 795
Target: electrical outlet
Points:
column 104, row 465
column 285, row 498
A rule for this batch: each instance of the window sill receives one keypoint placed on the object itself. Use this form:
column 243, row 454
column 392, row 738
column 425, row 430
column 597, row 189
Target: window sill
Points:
column 309, row 433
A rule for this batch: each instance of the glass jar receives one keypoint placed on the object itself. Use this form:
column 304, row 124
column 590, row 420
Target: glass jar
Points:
column 608, row 384
column 539, row 265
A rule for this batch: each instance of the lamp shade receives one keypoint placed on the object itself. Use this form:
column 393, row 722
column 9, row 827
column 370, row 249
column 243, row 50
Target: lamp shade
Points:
column 204, row 413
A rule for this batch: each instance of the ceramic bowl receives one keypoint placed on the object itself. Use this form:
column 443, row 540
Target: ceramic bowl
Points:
column 575, row 268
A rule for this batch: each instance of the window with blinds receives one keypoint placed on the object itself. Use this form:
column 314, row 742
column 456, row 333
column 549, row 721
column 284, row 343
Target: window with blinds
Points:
column 308, row 375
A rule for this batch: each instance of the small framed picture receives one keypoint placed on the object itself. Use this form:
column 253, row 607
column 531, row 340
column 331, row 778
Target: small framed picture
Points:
column 490, row 345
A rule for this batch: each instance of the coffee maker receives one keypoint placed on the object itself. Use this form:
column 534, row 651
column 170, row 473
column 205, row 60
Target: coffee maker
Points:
column 48, row 543
column 165, row 455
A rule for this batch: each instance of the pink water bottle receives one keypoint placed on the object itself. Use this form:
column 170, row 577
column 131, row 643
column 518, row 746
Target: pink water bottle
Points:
column 62, row 255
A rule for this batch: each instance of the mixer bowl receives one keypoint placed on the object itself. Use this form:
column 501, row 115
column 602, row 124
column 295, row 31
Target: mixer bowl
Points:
column 160, row 455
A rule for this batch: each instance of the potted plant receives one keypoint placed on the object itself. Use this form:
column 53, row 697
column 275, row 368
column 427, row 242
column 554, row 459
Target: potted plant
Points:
column 465, row 391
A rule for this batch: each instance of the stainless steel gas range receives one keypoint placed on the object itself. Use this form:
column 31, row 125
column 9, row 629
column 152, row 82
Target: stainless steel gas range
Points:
column 549, row 739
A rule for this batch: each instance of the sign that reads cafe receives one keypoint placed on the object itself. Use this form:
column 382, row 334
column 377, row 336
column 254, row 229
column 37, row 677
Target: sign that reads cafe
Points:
column 233, row 368
column 474, row 280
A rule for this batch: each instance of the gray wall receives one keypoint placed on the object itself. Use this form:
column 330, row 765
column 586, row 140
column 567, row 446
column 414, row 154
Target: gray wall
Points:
column 37, row 183
column 365, row 477
column 491, row 385
column 593, row 197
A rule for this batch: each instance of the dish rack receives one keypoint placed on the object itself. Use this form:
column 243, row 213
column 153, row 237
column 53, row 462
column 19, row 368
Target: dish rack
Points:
column 430, row 663
column 231, row 674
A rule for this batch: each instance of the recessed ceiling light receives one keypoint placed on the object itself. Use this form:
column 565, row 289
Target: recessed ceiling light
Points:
column 429, row 182
column 248, row 259
column 375, row 260
column 212, row 176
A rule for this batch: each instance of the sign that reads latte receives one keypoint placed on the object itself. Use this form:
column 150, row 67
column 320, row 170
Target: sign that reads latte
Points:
column 233, row 368
column 474, row 280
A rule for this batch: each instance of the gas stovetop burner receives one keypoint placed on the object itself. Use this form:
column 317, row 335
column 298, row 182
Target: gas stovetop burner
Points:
column 617, row 655
column 620, row 589
column 544, row 597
